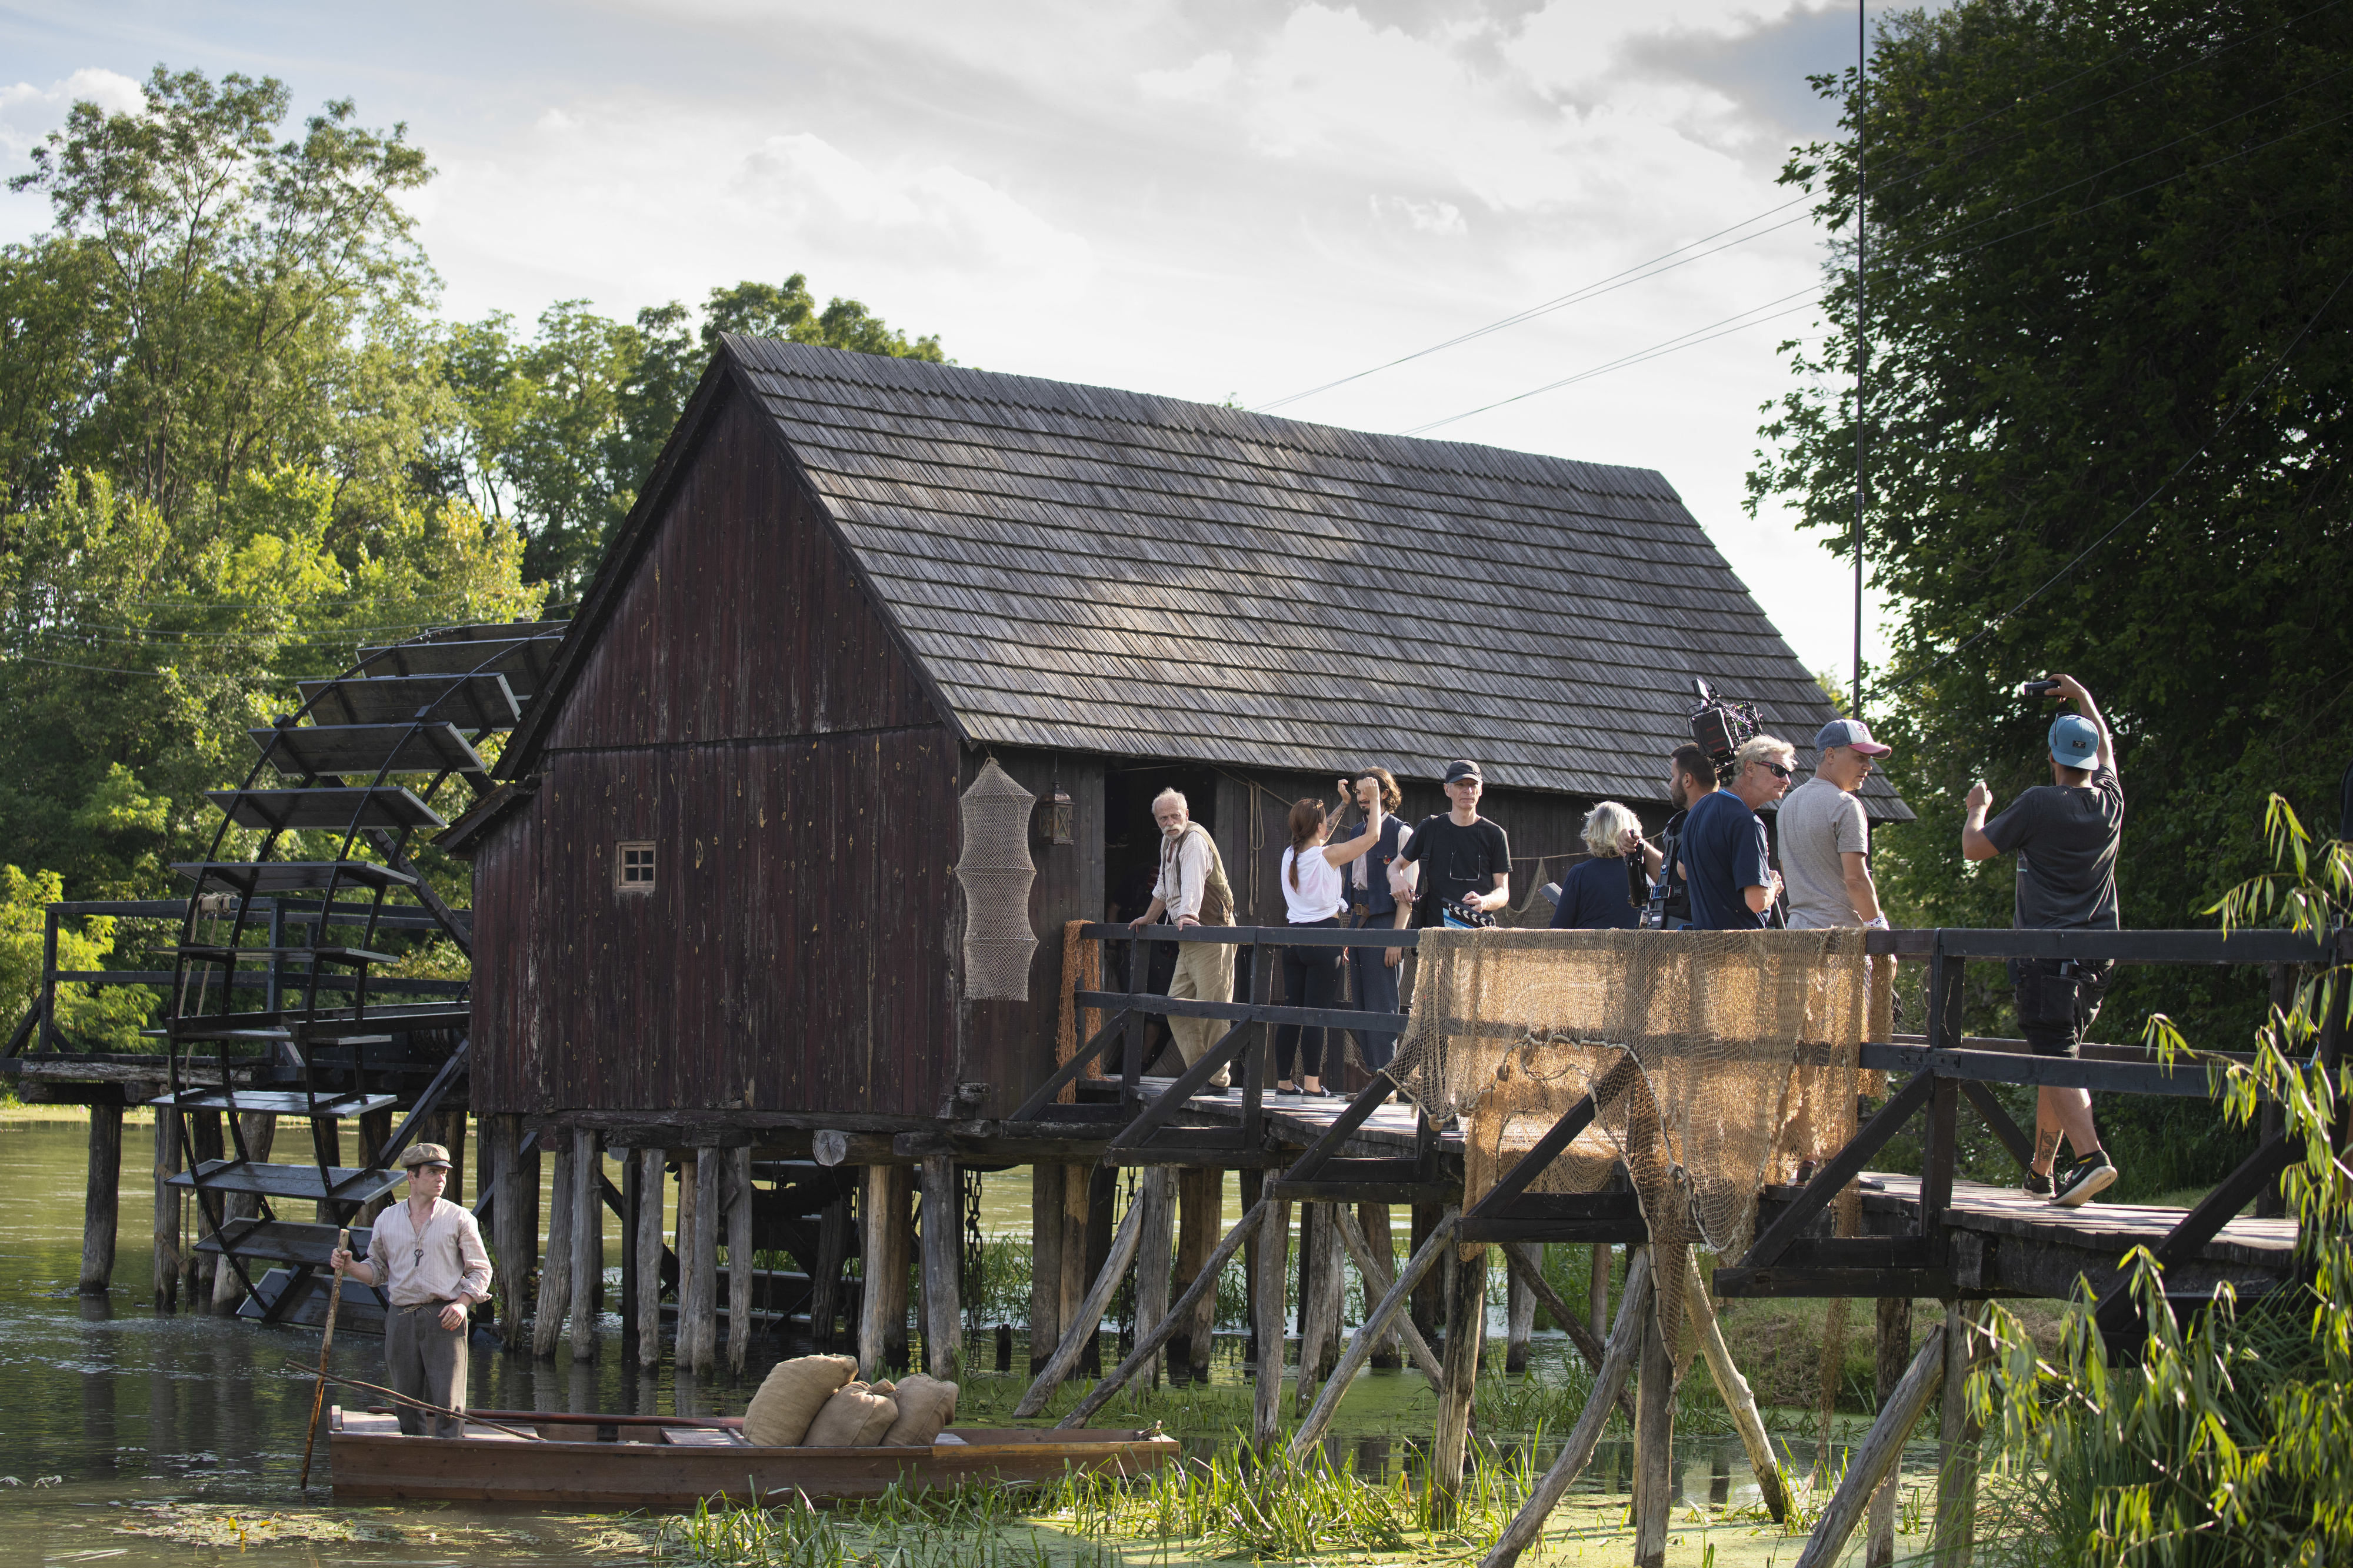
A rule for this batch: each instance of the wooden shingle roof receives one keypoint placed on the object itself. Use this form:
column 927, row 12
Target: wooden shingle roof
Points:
column 1094, row 570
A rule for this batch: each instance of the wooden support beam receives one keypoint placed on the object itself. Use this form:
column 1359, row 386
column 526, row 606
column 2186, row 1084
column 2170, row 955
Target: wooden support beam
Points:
column 882, row 1305
column 555, row 1265
column 1373, row 1226
column 1398, row 1324
column 1892, row 1342
column 2117, row 1309
column 1081, row 1327
column 587, row 1243
column 1597, row 1292
column 739, row 1259
column 1956, row 1466
column 1200, row 1223
column 648, row 1245
column 1319, row 1282
column 1203, row 1288
column 1155, row 1255
column 514, row 1223
column 943, row 1240
column 1466, row 1325
column 1391, row 1311
column 1655, row 1428
column 1526, row 1259
column 1429, row 1296
column 1078, row 1227
column 632, row 1209
column 1998, row 1121
column 1608, row 1384
column 196, row 1267
column 257, row 1132
column 1734, row 1389
column 1579, row 1334
column 1045, row 1262
column 1876, row 1459
column 698, row 1261
column 1269, row 1310
column 1841, row 1169
column 102, row 1198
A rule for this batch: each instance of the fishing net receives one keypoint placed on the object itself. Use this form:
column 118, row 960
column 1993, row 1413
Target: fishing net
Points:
column 1718, row 1062
column 995, row 871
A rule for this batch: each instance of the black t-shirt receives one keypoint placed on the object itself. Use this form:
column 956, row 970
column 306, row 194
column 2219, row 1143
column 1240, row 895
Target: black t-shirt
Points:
column 2065, row 839
column 1454, row 860
column 1723, row 849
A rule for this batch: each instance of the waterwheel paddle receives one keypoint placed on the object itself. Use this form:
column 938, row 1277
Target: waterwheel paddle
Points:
column 326, row 1343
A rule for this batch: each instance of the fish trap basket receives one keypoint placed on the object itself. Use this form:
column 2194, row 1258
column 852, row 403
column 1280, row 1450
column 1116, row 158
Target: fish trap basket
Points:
column 996, row 872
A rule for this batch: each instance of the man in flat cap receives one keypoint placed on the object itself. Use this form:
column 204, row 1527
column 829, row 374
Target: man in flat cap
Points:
column 428, row 1256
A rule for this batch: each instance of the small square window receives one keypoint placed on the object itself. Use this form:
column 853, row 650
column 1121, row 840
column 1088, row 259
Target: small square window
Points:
column 633, row 868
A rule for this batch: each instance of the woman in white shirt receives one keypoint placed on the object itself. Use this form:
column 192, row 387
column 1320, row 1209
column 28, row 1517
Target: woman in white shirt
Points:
column 1311, row 890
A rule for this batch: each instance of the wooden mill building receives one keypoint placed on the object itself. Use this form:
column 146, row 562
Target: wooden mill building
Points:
column 713, row 898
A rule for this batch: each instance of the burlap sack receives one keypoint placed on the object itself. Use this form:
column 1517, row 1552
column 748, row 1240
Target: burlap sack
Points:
column 926, row 1405
column 855, row 1417
column 791, row 1396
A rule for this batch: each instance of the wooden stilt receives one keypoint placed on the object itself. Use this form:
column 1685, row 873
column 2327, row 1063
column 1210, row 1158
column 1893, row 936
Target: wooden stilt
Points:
column 1373, row 1224
column 1597, row 1314
column 648, row 1244
column 1081, row 1328
column 555, row 1268
column 1430, row 1298
column 1156, row 1196
column 1378, row 1283
column 1883, row 1447
column 702, row 1334
column 258, row 1130
column 739, row 1259
column 1253, row 1185
column 1045, row 1263
column 1078, row 1211
column 1271, row 1306
column 1466, row 1326
column 882, row 1297
column 1957, row 1471
column 102, row 1198
column 1617, row 1360
column 1391, row 1311
column 1737, row 1397
column 1200, row 1222
column 942, row 1241
column 826, row 1291
column 587, row 1243
column 196, row 1267
column 691, row 1282
column 1654, row 1431
column 1321, row 1284
column 633, row 1209
column 1520, row 1309
column 1204, row 1285
column 1892, row 1342
column 1549, row 1299
column 1103, row 1200
column 514, row 1225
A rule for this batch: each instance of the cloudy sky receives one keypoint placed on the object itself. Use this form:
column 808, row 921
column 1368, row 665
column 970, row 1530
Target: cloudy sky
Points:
column 1203, row 198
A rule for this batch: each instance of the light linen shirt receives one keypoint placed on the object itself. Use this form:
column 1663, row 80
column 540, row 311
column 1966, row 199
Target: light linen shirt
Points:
column 1184, row 874
column 446, row 1263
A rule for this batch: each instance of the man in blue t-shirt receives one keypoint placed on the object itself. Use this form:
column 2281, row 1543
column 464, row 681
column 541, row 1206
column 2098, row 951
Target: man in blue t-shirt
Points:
column 1723, row 849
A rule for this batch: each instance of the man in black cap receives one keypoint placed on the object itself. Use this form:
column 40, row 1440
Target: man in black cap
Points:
column 1456, row 860
column 428, row 1254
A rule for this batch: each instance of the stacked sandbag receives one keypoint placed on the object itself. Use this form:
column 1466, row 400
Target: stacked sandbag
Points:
column 855, row 1417
column 790, row 1398
column 926, row 1405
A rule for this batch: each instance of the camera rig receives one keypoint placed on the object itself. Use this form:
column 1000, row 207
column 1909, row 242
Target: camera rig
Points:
column 1719, row 727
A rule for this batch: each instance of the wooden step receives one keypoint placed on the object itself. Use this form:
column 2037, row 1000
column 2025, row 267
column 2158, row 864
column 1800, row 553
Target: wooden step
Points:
column 330, row 1025
column 215, row 953
column 279, row 1102
column 283, row 1241
column 359, row 1311
column 474, row 702
column 523, row 662
column 340, row 1183
column 338, row 807
column 364, row 750
column 255, row 878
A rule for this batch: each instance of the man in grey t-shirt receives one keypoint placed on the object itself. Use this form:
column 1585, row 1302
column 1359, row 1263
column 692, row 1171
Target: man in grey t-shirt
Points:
column 1825, row 842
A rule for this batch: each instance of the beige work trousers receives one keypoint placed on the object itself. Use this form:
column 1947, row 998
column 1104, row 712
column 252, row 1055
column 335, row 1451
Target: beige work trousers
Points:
column 1205, row 973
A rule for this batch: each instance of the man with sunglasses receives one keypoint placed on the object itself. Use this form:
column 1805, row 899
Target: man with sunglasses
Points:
column 1723, row 848
column 1825, row 842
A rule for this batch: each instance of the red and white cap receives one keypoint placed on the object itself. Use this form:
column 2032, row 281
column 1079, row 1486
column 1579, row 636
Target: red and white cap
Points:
column 1849, row 732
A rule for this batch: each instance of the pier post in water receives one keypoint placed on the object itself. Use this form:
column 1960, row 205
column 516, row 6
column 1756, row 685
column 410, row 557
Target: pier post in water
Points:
column 1894, row 1344
column 1157, row 1193
column 882, row 1305
column 698, row 1330
column 648, row 1242
column 1520, row 1309
column 167, row 1209
column 103, row 1200
column 1466, row 1327
column 556, row 1257
column 942, row 1241
column 1373, row 1220
column 1045, row 1262
column 258, row 1130
column 1957, row 1471
column 739, row 1258
column 1654, row 1429
column 514, row 1218
column 1271, row 1311
column 587, row 1242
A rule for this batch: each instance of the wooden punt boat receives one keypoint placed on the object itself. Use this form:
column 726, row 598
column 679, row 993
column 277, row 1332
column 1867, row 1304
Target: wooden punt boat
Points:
column 653, row 1461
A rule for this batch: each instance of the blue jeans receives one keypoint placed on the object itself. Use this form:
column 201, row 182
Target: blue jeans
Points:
column 1376, row 992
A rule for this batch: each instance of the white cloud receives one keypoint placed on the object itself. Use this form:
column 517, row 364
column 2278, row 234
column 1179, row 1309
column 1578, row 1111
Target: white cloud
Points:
column 28, row 114
column 1204, row 79
column 1428, row 218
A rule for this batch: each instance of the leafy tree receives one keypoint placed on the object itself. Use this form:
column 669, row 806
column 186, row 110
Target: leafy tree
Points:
column 2103, row 238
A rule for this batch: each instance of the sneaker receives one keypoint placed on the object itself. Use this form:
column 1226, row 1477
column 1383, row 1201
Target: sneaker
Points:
column 1222, row 1080
column 2083, row 1179
column 2036, row 1185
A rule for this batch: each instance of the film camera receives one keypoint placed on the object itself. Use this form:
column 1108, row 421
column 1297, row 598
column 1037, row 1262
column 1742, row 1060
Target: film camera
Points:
column 1718, row 726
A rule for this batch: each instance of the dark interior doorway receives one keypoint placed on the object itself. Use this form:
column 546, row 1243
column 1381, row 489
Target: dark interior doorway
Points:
column 1131, row 864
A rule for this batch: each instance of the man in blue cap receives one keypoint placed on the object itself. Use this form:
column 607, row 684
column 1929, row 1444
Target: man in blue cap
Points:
column 2065, row 835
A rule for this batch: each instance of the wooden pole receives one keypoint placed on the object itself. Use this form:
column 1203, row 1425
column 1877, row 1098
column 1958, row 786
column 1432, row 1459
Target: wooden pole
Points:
column 1734, row 1391
column 1157, row 1198
column 1430, row 1298
column 1045, row 1262
column 1466, row 1331
column 1883, row 1447
column 1956, row 1470
column 204, row 1147
column 1892, row 1342
column 1616, row 1363
column 587, row 1242
column 1081, row 1326
column 167, row 1209
column 1597, row 1293
column 739, row 1259
column 1321, row 1285
column 1272, row 1308
column 1520, row 1308
column 1541, row 1289
column 514, row 1225
column 326, row 1343
column 1200, row 1223
column 943, row 1240
column 1373, row 1224
column 258, row 1130
column 556, row 1267
column 1378, row 1283
column 1392, row 1310
column 702, row 1264
column 1204, row 1286
column 882, row 1297
column 1654, row 1431
column 102, row 1198
column 826, row 1289
column 649, row 1244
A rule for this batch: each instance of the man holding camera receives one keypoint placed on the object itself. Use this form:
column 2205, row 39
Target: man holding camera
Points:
column 1725, row 860
column 1825, row 841
column 1457, row 861
column 2065, row 835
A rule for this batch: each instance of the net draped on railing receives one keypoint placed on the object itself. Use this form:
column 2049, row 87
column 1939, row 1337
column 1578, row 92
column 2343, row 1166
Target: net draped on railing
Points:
column 1717, row 1061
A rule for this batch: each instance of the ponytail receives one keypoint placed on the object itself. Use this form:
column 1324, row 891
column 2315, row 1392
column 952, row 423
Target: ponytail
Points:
column 1307, row 821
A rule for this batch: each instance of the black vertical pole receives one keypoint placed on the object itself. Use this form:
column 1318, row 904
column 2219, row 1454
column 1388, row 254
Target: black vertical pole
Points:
column 1861, row 345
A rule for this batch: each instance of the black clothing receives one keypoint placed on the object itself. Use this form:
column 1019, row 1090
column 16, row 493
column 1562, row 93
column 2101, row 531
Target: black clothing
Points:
column 1454, row 860
column 1311, row 978
column 1724, row 850
column 2066, row 841
column 1596, row 895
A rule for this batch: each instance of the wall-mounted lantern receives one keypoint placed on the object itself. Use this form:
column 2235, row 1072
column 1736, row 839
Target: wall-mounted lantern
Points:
column 1056, row 817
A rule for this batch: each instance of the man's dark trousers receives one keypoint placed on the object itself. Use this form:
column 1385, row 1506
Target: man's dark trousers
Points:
column 1376, row 992
column 425, row 1362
